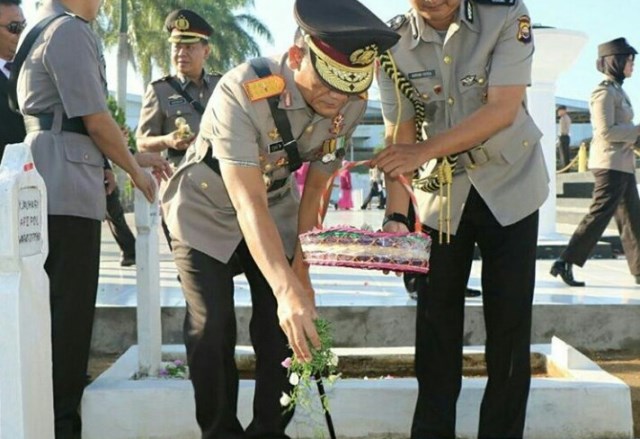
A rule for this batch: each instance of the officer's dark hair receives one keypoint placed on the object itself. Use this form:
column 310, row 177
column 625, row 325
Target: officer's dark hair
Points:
column 10, row 2
column 562, row 107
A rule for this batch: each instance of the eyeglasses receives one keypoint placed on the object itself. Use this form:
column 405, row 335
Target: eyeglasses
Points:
column 15, row 27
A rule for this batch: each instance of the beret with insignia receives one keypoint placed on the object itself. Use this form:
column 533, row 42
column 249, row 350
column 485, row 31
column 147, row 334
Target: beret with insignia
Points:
column 185, row 26
column 619, row 46
column 344, row 39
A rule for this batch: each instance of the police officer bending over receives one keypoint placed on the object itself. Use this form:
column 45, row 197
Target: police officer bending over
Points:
column 173, row 105
column 234, row 195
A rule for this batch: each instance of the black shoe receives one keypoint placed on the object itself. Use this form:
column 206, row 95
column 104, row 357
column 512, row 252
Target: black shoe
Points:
column 470, row 292
column 127, row 261
column 565, row 270
column 637, row 279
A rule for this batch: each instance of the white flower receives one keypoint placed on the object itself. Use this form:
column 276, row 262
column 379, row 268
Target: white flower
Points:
column 333, row 378
column 333, row 361
column 285, row 400
column 294, row 379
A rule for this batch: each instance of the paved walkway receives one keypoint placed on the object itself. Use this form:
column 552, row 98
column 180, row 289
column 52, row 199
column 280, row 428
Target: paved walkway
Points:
column 608, row 281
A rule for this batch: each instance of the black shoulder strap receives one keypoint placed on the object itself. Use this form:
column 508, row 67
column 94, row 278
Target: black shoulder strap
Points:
column 21, row 56
column 280, row 118
column 182, row 92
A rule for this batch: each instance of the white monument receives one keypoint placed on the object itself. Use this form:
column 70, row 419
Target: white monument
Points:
column 148, row 285
column 556, row 51
column 26, row 389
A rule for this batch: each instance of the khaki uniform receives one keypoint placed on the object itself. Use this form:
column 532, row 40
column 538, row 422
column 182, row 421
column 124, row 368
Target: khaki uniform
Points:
column 70, row 163
column 495, row 195
column 162, row 105
column 63, row 77
column 196, row 206
column 615, row 194
column 614, row 133
column 472, row 58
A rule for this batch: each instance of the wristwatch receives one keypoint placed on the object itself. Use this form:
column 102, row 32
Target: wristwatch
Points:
column 397, row 217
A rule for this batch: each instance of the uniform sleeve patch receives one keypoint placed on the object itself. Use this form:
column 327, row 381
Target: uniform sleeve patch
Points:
column 263, row 88
column 524, row 29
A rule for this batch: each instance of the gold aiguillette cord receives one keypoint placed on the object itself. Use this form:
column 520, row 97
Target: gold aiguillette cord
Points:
column 445, row 175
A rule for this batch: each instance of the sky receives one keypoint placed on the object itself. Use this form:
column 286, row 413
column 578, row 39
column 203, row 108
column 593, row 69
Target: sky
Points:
column 599, row 20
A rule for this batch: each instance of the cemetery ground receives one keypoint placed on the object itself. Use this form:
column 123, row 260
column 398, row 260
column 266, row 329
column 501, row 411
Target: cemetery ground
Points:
column 623, row 364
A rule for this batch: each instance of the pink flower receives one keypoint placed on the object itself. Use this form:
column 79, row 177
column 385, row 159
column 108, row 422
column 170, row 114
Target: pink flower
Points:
column 286, row 363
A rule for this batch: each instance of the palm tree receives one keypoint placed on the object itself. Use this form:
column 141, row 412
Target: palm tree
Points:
column 137, row 28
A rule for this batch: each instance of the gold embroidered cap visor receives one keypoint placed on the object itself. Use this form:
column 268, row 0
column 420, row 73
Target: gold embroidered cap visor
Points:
column 187, row 37
column 340, row 77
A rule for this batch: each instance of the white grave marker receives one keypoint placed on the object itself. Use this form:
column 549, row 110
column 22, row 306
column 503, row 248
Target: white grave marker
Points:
column 26, row 390
column 148, row 279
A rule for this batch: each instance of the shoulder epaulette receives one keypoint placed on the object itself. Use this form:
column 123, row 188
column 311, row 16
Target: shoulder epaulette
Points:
column 496, row 2
column 71, row 14
column 606, row 83
column 163, row 79
column 396, row 22
column 263, row 88
column 216, row 74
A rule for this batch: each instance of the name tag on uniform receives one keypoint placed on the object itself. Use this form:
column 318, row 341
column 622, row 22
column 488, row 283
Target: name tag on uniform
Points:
column 423, row 74
column 275, row 147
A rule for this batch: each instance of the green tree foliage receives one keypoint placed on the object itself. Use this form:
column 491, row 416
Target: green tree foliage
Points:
column 232, row 42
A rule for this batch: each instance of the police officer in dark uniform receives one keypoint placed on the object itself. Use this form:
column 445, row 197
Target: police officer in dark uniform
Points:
column 173, row 105
column 234, row 196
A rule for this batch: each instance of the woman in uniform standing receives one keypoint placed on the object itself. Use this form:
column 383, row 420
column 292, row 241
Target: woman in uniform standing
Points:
column 613, row 164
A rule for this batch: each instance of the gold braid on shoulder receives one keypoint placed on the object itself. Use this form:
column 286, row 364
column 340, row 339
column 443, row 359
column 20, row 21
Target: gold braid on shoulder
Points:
column 431, row 181
column 440, row 178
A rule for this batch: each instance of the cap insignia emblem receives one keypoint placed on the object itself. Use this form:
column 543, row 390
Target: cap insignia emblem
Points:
column 182, row 23
column 364, row 56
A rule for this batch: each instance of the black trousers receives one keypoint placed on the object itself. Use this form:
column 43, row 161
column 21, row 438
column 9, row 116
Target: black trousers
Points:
column 375, row 191
column 615, row 194
column 72, row 267
column 563, row 148
column 508, row 278
column 210, row 338
column 118, row 225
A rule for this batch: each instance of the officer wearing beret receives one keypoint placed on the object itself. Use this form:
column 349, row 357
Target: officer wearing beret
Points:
column 234, row 197
column 61, row 91
column 453, row 97
column 613, row 164
column 173, row 105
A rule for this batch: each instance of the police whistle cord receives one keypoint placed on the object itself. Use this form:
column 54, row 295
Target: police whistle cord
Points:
column 327, row 414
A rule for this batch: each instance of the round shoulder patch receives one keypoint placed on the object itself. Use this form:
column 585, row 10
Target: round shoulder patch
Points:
column 396, row 22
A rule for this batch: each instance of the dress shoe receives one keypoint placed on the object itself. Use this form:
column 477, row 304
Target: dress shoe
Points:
column 565, row 270
column 127, row 261
column 471, row 292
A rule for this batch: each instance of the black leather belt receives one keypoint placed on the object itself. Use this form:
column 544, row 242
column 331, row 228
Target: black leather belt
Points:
column 213, row 163
column 44, row 122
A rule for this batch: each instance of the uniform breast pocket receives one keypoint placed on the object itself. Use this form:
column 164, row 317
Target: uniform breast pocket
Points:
column 431, row 94
column 472, row 86
column 180, row 110
column 205, row 181
column 79, row 149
